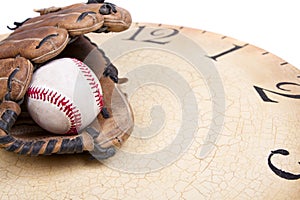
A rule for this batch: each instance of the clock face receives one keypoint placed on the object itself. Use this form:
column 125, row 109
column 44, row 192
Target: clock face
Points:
column 215, row 118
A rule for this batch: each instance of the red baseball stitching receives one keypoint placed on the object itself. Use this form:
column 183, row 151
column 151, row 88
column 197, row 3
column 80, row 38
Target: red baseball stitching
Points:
column 61, row 102
column 86, row 71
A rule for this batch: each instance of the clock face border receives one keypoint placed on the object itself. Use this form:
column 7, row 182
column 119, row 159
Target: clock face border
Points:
column 253, row 154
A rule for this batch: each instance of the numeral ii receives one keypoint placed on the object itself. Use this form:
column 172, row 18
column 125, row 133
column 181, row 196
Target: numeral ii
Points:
column 263, row 93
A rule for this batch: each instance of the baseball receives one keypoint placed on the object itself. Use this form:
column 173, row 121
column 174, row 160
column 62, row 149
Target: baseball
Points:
column 64, row 96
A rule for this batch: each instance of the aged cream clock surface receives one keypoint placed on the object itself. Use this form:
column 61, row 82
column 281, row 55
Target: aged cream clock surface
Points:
column 215, row 118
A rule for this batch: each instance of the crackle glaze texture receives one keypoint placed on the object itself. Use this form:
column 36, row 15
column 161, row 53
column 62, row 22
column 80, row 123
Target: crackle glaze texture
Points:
column 214, row 119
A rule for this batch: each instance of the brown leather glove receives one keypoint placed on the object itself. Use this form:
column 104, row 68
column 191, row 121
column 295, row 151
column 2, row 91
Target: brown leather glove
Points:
column 57, row 33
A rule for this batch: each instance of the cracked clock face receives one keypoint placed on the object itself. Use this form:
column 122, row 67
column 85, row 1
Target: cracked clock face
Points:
column 215, row 118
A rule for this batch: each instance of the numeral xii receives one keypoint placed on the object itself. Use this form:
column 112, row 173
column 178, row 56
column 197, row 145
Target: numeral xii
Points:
column 156, row 36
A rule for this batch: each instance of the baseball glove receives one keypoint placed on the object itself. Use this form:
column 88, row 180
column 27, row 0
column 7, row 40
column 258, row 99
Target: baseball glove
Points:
column 57, row 33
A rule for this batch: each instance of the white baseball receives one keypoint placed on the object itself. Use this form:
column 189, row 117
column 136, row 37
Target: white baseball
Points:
column 64, row 96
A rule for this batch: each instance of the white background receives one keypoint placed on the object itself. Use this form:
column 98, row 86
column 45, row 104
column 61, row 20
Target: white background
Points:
column 273, row 25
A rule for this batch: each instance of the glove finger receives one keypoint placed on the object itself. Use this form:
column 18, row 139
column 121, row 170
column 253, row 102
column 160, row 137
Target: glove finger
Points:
column 15, row 76
column 38, row 46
